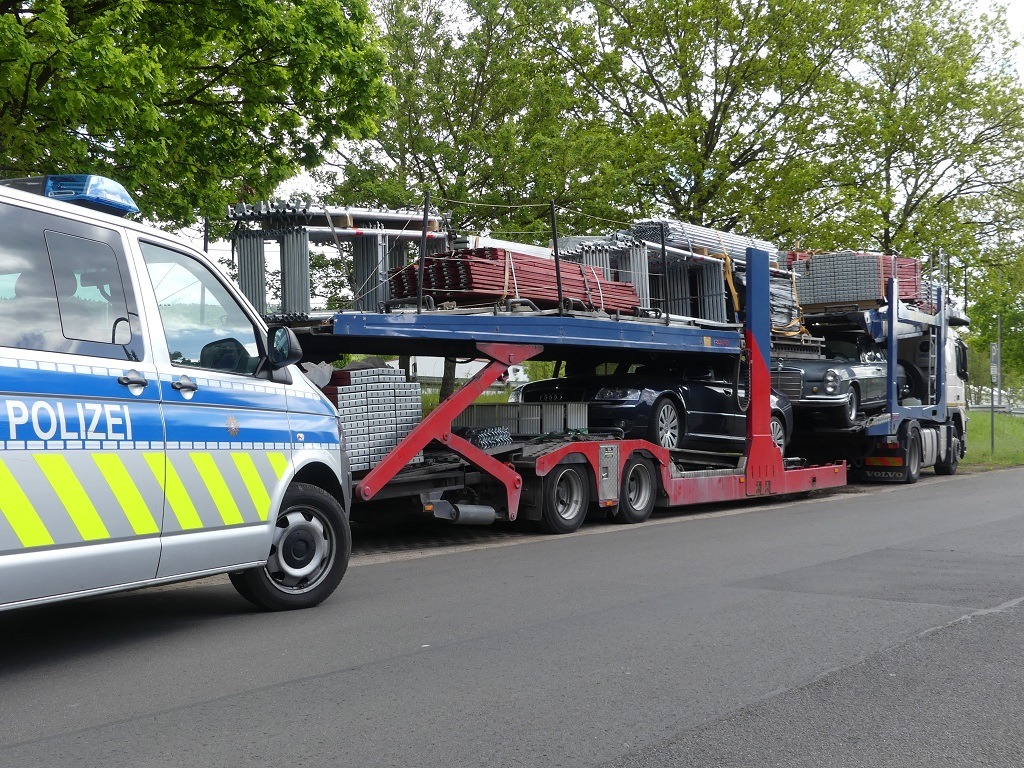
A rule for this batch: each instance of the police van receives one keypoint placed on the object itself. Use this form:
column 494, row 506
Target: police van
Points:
column 152, row 428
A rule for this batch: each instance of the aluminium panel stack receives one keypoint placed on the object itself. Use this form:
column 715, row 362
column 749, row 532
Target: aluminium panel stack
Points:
column 840, row 278
column 853, row 277
column 378, row 408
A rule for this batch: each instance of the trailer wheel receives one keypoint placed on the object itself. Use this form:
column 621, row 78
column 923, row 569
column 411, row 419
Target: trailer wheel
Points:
column 308, row 557
column 951, row 463
column 566, row 497
column 913, row 457
column 639, row 491
column 666, row 427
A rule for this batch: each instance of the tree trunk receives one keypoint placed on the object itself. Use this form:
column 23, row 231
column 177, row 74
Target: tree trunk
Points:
column 447, row 380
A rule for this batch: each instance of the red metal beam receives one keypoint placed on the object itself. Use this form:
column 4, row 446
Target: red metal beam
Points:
column 437, row 425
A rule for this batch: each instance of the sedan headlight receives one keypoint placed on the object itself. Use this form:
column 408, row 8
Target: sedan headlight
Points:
column 618, row 394
column 516, row 395
column 831, row 382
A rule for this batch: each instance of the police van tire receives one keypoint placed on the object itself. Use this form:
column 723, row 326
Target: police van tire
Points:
column 309, row 555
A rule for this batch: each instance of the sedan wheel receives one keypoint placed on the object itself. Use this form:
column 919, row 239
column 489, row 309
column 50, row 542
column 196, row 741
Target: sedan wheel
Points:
column 851, row 407
column 777, row 427
column 665, row 428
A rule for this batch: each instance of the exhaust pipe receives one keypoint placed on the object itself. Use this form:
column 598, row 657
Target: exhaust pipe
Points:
column 462, row 514
column 474, row 514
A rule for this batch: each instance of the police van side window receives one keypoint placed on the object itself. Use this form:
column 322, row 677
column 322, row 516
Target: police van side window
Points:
column 203, row 324
column 63, row 292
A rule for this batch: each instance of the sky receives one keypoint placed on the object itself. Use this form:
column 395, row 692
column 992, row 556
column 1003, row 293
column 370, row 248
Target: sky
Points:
column 1015, row 20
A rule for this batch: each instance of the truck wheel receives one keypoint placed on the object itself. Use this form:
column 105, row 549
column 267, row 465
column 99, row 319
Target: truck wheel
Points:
column 639, row 491
column 850, row 409
column 566, row 496
column 951, row 463
column 309, row 555
column 913, row 457
column 666, row 427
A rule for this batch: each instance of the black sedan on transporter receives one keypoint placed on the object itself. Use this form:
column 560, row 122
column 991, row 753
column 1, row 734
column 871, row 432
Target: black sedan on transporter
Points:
column 692, row 405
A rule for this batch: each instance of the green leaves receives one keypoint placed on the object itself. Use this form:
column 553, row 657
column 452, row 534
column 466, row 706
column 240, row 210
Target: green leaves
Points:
column 191, row 106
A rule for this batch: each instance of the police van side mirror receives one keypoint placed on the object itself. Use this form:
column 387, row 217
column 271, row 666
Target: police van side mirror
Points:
column 283, row 347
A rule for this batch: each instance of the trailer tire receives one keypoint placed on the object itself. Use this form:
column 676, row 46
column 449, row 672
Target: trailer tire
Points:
column 309, row 555
column 638, row 493
column 951, row 463
column 566, row 498
column 913, row 457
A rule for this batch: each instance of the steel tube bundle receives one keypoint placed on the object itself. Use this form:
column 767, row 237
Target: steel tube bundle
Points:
column 486, row 275
column 690, row 237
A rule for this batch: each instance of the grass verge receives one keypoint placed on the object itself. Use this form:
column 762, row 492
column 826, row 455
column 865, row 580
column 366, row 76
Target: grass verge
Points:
column 1009, row 440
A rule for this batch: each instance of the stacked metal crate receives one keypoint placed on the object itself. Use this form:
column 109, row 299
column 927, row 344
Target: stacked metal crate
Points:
column 526, row 419
column 617, row 258
column 841, row 278
column 688, row 286
column 378, row 408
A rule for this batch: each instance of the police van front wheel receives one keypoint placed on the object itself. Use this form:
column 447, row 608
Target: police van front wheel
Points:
column 309, row 555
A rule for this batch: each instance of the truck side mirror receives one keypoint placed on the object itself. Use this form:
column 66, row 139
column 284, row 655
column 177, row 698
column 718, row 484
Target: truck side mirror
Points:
column 283, row 348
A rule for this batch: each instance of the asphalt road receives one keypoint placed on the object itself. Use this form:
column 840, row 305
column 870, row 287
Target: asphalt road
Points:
column 875, row 628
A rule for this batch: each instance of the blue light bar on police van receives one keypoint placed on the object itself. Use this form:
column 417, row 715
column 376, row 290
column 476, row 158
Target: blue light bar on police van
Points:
column 89, row 191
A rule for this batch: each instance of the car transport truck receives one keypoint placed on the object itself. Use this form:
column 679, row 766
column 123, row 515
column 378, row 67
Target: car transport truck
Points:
column 154, row 429
column 889, row 394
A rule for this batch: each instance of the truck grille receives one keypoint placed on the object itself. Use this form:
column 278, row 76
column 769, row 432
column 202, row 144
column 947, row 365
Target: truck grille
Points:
column 788, row 382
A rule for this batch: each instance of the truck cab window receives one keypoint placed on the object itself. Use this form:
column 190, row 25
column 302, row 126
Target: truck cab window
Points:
column 203, row 324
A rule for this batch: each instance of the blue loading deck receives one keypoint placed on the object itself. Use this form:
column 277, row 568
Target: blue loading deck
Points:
column 455, row 334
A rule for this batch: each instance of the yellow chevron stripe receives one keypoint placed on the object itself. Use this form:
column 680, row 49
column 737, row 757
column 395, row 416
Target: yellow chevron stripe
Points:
column 73, row 496
column 126, row 493
column 15, row 506
column 253, row 483
column 279, row 462
column 218, row 488
column 177, row 497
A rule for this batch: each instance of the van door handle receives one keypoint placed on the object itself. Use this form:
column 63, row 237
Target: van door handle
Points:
column 185, row 384
column 133, row 379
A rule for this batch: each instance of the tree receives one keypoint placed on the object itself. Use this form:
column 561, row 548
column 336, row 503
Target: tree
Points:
column 722, row 105
column 190, row 105
column 934, row 132
column 494, row 131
